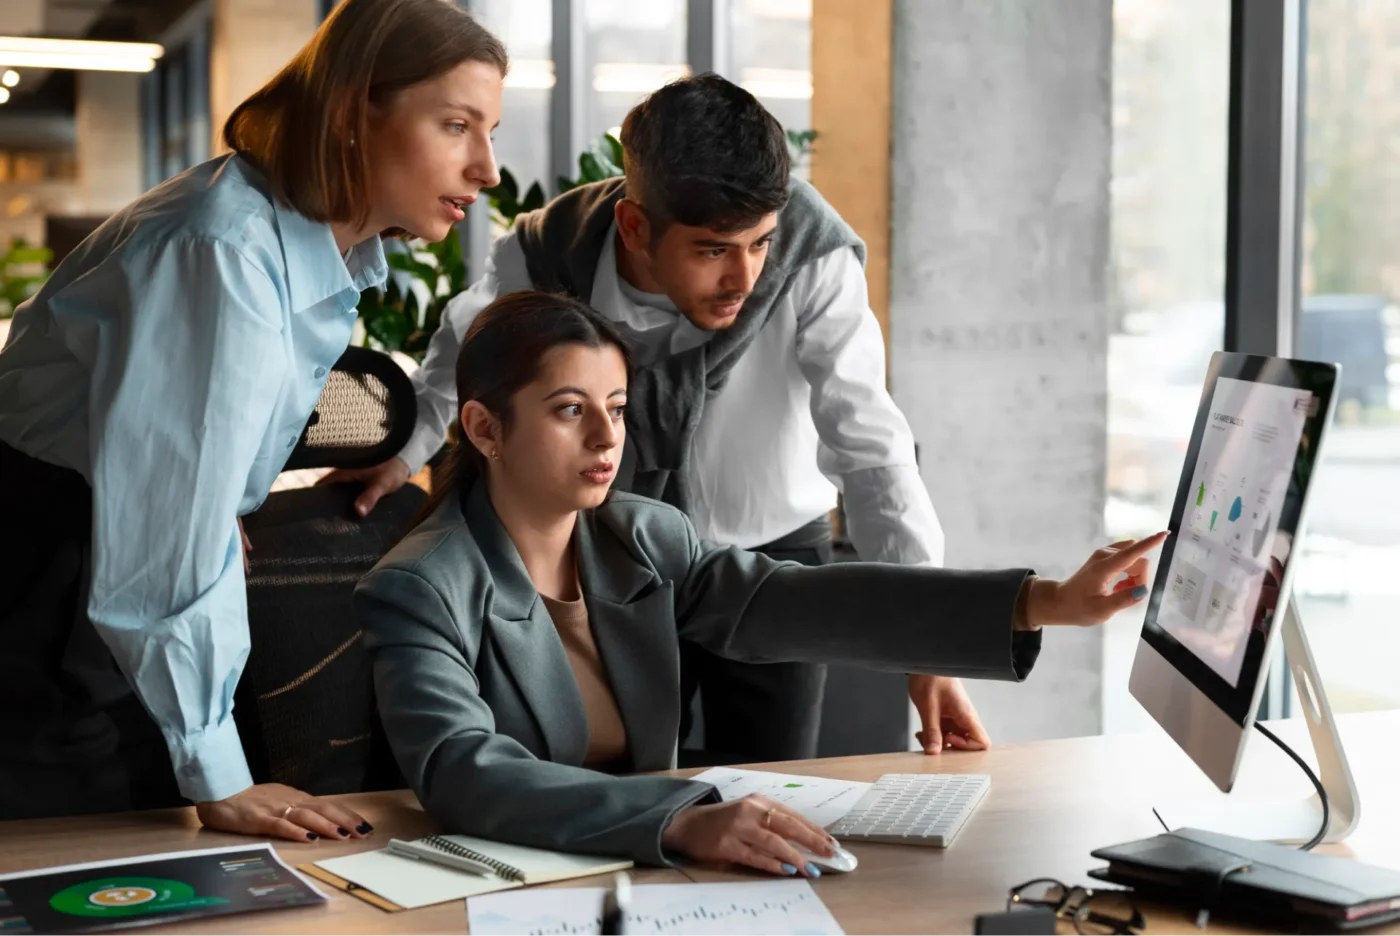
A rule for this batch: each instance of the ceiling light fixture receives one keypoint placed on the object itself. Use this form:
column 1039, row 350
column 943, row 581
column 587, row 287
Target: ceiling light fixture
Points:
column 4, row 95
column 10, row 78
column 79, row 54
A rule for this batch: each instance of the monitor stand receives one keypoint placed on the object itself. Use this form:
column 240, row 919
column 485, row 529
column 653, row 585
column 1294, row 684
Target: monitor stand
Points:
column 1283, row 820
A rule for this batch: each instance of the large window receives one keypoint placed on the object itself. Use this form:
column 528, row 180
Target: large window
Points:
column 632, row 48
column 1171, row 82
column 1347, row 587
column 771, row 55
column 522, row 141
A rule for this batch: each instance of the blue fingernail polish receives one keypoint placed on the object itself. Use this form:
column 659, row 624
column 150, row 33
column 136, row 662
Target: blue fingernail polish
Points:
column 813, row 870
column 1140, row 592
column 789, row 869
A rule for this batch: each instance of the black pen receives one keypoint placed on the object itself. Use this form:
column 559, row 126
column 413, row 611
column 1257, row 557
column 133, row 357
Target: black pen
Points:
column 615, row 905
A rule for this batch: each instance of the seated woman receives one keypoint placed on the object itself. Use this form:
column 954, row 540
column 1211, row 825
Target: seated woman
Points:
column 525, row 635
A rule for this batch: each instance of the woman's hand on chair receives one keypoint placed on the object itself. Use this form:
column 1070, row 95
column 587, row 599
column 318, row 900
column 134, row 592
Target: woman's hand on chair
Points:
column 275, row 810
column 1113, row 580
column 753, row 831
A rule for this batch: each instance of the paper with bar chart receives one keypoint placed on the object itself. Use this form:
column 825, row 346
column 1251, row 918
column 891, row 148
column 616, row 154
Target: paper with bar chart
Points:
column 749, row 907
column 1229, row 523
column 820, row 799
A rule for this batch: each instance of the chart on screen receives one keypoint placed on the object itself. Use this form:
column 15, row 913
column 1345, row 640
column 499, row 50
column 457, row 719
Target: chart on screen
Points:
column 768, row 907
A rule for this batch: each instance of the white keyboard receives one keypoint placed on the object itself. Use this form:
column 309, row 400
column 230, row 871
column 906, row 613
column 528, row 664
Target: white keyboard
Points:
column 913, row 809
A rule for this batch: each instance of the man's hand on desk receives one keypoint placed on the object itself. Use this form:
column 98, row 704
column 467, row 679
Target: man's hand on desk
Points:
column 947, row 715
column 379, row 480
column 273, row 809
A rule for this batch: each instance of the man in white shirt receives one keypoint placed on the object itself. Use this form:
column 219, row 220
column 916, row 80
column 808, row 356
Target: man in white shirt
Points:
column 760, row 385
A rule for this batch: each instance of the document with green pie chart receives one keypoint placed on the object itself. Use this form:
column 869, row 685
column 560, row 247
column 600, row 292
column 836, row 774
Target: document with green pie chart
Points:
column 150, row 889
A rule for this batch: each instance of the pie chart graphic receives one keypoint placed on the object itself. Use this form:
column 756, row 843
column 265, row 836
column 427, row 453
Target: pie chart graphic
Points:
column 1261, row 533
column 118, row 897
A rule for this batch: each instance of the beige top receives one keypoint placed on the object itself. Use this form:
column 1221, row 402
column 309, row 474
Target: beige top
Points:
column 607, row 737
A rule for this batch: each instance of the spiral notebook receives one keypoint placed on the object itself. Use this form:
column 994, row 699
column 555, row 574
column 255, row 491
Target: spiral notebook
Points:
column 393, row 881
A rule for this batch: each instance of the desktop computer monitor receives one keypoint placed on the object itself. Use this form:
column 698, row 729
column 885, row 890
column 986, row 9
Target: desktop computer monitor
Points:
column 1221, row 592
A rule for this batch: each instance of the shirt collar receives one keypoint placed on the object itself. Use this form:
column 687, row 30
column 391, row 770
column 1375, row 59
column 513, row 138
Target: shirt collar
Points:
column 315, row 269
column 610, row 289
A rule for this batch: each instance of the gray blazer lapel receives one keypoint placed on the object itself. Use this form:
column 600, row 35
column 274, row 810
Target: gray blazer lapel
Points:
column 632, row 615
column 519, row 624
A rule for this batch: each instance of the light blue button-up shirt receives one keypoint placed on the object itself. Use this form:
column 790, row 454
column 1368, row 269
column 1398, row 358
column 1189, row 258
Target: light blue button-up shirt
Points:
column 173, row 360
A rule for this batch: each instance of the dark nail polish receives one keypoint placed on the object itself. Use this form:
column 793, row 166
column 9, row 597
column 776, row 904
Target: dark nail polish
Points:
column 343, row 832
column 813, row 870
column 789, row 869
column 364, row 828
column 312, row 836
column 1140, row 592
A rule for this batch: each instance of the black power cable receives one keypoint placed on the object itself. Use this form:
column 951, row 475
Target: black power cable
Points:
column 1317, row 784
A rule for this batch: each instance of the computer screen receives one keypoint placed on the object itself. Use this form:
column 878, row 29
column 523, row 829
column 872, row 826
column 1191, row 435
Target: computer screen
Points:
column 1236, row 522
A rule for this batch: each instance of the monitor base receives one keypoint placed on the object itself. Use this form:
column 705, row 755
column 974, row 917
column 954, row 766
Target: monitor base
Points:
column 1287, row 820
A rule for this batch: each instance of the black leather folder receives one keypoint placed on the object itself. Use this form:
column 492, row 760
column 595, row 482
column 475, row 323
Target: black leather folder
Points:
column 1253, row 881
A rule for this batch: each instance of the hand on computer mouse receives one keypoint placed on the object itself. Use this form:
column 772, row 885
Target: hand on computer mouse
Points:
column 753, row 831
column 839, row 861
column 1114, row 579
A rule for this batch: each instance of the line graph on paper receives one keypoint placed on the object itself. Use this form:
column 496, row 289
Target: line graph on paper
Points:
column 770, row 907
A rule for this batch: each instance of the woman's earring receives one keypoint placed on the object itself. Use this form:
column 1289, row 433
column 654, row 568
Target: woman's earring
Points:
column 495, row 454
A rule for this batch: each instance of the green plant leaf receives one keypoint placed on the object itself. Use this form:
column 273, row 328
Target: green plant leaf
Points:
column 534, row 199
column 590, row 170
column 28, row 255
column 614, row 146
column 427, row 273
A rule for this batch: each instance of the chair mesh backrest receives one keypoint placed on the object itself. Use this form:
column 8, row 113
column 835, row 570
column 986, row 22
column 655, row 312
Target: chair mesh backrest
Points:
column 365, row 414
column 305, row 705
column 307, row 683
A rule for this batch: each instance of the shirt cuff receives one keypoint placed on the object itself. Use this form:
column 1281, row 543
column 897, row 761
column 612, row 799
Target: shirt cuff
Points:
column 211, row 766
column 422, row 445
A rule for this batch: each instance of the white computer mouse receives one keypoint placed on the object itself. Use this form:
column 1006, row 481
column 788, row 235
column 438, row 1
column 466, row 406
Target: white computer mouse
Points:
column 840, row 862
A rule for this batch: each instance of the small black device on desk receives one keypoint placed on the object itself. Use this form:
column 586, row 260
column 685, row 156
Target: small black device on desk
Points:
column 1259, row 882
column 1032, row 921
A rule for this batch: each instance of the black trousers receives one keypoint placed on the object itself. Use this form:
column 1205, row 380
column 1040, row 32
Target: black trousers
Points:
column 74, row 739
column 755, row 712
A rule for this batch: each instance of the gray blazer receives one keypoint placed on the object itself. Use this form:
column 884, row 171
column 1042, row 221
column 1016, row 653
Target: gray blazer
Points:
column 481, row 707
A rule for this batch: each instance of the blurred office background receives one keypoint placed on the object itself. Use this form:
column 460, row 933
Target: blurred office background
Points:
column 1069, row 203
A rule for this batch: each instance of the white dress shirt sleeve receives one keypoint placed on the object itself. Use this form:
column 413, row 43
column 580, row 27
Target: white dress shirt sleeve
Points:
column 435, row 382
column 182, row 398
column 867, row 449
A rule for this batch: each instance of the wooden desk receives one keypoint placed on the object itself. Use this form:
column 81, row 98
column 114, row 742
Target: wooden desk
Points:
column 1050, row 804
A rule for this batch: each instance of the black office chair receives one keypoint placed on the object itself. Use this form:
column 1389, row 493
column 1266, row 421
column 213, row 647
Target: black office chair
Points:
column 305, row 705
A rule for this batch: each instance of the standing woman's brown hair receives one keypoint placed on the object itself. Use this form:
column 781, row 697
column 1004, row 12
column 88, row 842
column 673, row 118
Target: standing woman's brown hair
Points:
column 308, row 127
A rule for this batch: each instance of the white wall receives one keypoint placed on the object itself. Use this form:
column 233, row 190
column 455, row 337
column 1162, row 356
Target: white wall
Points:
column 998, row 322
column 252, row 40
column 108, row 140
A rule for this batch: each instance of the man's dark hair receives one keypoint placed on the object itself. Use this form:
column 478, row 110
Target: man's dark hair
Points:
column 703, row 152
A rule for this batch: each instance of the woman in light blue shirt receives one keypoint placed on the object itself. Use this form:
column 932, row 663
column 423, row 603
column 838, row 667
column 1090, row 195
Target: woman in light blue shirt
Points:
column 152, row 391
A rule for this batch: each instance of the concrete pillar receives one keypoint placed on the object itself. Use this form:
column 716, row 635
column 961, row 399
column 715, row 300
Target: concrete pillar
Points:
column 998, row 323
column 252, row 40
column 108, row 140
